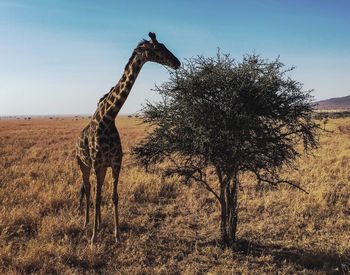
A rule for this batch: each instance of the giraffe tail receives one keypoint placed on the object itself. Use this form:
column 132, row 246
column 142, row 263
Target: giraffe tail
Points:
column 82, row 193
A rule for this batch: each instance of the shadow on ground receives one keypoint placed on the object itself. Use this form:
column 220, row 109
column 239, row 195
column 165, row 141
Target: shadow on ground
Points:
column 330, row 263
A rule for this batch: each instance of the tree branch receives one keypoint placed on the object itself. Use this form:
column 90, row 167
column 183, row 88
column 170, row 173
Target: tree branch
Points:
column 260, row 179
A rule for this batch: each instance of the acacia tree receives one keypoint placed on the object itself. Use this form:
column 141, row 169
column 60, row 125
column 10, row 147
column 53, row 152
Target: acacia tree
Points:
column 229, row 117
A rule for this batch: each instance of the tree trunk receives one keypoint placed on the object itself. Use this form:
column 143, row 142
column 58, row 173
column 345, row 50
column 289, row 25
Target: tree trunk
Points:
column 232, row 219
column 228, row 203
column 223, row 226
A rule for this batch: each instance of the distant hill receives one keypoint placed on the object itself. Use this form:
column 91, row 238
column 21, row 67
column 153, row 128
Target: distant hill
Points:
column 336, row 103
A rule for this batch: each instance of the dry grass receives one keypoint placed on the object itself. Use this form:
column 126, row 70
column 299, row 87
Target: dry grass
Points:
column 166, row 228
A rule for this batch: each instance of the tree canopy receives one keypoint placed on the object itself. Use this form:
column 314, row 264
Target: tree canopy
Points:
column 231, row 117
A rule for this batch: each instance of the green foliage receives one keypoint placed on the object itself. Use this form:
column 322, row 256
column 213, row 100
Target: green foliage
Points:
column 228, row 117
column 246, row 116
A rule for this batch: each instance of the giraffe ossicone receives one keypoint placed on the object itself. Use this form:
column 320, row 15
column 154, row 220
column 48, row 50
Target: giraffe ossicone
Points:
column 98, row 146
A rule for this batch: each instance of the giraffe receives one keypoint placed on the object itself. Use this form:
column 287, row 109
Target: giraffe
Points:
column 98, row 146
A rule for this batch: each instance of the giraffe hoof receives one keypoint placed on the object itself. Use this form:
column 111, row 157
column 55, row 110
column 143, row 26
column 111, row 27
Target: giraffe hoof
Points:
column 117, row 238
column 93, row 240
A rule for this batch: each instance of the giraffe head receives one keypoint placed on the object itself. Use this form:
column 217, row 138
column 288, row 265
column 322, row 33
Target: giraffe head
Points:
column 156, row 52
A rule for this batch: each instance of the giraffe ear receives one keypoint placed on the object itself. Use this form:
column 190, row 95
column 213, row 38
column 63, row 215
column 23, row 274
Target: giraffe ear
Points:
column 152, row 35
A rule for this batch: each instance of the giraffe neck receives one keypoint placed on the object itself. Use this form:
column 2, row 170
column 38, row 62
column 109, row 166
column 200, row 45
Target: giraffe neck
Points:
column 110, row 106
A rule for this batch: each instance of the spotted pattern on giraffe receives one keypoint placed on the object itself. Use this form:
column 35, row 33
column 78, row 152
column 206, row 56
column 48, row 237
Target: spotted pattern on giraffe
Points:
column 98, row 146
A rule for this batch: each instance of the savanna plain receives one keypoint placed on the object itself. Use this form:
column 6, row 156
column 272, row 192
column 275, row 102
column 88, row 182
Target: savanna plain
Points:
column 166, row 227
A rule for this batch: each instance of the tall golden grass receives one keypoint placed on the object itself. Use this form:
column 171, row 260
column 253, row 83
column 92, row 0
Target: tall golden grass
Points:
column 166, row 227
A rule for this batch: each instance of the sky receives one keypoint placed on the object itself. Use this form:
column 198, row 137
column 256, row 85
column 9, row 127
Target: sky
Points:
column 61, row 56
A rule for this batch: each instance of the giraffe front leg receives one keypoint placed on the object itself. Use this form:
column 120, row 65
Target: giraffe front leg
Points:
column 116, row 214
column 97, row 206
column 115, row 199
column 100, row 175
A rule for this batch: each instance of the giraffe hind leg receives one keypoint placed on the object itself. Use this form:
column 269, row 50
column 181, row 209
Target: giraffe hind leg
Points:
column 85, row 188
column 82, row 194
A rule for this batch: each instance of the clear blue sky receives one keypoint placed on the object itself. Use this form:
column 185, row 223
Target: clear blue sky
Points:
column 61, row 56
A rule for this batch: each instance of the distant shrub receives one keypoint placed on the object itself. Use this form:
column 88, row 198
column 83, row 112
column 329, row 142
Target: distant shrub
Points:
column 334, row 115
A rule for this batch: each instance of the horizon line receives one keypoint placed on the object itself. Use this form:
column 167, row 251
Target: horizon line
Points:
column 57, row 115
